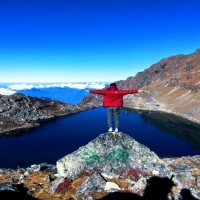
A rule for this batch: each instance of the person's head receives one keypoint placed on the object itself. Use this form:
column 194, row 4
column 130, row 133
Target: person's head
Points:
column 113, row 84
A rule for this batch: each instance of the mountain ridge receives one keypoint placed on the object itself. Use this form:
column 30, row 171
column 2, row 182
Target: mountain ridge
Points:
column 171, row 85
column 168, row 84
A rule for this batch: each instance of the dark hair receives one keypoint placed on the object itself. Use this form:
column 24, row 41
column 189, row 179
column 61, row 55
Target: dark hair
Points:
column 113, row 84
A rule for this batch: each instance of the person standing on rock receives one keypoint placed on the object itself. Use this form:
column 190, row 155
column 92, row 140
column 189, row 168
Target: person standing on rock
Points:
column 113, row 101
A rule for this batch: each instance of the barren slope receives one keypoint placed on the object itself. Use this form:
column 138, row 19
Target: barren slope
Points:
column 171, row 85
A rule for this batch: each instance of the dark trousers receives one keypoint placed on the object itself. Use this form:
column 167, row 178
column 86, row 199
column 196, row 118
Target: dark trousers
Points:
column 113, row 111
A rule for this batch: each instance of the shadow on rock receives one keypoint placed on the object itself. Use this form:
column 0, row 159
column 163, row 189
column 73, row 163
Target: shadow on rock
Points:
column 15, row 195
column 15, row 192
column 186, row 195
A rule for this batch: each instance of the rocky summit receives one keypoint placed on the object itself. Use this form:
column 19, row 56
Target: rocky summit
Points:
column 112, row 166
column 114, row 154
column 119, row 156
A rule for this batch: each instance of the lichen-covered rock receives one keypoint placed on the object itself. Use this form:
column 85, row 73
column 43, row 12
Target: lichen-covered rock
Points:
column 95, row 183
column 186, row 170
column 114, row 154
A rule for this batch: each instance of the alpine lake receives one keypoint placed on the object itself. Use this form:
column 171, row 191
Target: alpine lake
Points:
column 165, row 134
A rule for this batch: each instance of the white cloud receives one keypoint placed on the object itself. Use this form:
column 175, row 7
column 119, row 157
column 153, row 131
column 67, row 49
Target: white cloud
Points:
column 4, row 91
column 96, row 85
column 21, row 86
column 61, row 85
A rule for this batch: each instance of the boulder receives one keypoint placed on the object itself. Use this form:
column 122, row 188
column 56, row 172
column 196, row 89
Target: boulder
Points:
column 95, row 183
column 7, row 187
column 56, row 183
column 114, row 155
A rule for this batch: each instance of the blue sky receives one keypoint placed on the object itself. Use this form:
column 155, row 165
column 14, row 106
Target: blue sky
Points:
column 92, row 40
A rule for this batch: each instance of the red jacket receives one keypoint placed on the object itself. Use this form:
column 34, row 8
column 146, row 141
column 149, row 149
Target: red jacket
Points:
column 113, row 96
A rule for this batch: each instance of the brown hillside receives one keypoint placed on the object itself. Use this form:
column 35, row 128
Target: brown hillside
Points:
column 171, row 85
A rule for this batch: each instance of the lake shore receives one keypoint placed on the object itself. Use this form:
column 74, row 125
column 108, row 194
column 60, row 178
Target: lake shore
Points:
column 10, row 127
column 19, row 112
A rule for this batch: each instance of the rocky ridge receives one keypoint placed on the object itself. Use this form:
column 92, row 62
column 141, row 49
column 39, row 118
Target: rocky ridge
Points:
column 19, row 112
column 172, row 85
column 128, row 169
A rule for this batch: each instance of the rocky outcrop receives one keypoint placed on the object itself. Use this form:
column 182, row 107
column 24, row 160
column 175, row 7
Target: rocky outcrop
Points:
column 95, row 183
column 24, row 182
column 186, row 170
column 172, row 85
column 19, row 112
column 115, row 155
column 108, row 167
column 118, row 156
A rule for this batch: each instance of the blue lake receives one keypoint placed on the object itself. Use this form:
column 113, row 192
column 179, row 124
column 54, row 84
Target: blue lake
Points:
column 166, row 135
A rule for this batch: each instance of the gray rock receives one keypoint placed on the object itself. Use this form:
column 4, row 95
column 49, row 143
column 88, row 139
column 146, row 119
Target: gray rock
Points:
column 89, row 198
column 181, row 168
column 7, row 187
column 48, row 168
column 198, row 181
column 95, row 183
column 113, row 154
column 138, row 186
column 55, row 184
column 28, row 171
column 177, row 197
column 14, row 178
column 5, row 170
column 21, row 170
column 35, row 168
column 47, row 179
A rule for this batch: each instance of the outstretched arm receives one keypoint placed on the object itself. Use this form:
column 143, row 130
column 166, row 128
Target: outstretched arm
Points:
column 102, row 92
column 124, row 92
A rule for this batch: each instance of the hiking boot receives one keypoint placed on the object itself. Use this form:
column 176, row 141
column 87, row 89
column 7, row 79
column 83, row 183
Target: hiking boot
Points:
column 110, row 129
column 116, row 130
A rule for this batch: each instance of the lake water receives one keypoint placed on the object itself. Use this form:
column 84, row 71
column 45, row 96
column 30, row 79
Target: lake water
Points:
column 167, row 135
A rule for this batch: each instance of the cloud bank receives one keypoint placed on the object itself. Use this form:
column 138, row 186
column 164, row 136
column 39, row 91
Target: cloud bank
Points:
column 60, row 85
column 11, row 89
column 5, row 91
